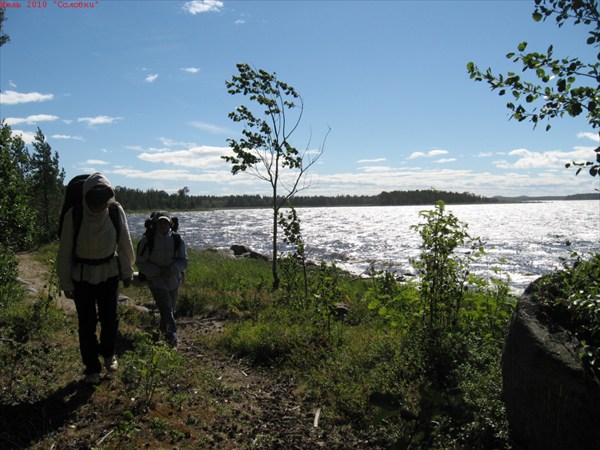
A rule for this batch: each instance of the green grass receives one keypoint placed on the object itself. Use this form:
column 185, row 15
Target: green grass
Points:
column 381, row 349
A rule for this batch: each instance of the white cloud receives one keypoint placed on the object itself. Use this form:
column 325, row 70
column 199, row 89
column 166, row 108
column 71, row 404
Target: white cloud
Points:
column 28, row 138
column 554, row 159
column 151, row 78
column 15, row 98
column 240, row 22
column 171, row 143
column 96, row 162
column 67, row 137
column 190, row 69
column 30, row 120
column 429, row 154
column 174, row 175
column 98, row 120
column 139, row 148
column 202, row 6
column 208, row 127
column 445, row 160
column 364, row 161
column 593, row 136
column 375, row 169
column 484, row 155
column 203, row 157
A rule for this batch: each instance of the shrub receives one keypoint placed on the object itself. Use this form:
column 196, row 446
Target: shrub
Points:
column 571, row 298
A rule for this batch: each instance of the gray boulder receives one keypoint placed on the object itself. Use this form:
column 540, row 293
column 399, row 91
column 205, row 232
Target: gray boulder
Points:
column 552, row 401
column 246, row 252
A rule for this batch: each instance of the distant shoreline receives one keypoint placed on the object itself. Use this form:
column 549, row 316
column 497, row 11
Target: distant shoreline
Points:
column 136, row 200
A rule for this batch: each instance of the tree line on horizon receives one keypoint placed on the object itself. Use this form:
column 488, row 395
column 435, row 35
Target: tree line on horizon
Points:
column 152, row 199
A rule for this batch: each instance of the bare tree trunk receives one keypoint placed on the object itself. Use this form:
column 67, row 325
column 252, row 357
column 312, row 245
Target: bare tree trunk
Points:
column 274, row 264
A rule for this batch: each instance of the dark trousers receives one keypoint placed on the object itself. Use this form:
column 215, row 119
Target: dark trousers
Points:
column 104, row 296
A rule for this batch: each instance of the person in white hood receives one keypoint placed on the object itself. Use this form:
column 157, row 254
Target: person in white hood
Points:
column 89, row 265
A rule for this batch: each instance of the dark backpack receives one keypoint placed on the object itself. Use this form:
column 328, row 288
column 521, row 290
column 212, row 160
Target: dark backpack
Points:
column 74, row 199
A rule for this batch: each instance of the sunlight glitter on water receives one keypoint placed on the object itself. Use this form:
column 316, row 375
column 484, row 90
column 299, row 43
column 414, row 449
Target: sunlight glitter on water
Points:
column 525, row 240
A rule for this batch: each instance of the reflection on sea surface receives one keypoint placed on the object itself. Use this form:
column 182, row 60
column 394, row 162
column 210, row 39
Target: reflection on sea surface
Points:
column 524, row 240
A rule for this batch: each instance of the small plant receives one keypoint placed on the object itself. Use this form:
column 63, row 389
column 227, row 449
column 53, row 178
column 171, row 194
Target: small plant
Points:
column 149, row 367
column 293, row 266
column 392, row 301
column 445, row 274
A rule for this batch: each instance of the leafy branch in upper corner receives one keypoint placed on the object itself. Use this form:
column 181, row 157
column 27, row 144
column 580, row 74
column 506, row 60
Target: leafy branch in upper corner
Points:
column 559, row 85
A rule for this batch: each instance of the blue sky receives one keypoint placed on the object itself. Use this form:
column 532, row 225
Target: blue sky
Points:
column 136, row 89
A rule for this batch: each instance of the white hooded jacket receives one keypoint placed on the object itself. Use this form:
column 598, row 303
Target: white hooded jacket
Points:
column 97, row 239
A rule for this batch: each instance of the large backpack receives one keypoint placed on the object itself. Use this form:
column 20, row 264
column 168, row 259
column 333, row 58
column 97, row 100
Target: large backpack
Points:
column 74, row 199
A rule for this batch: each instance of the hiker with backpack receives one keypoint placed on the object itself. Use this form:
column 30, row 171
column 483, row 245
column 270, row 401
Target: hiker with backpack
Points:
column 162, row 260
column 95, row 252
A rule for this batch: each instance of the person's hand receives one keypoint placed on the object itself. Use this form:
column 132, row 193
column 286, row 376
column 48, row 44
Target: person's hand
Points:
column 70, row 294
column 127, row 282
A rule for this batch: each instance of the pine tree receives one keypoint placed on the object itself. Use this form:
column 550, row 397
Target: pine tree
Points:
column 46, row 186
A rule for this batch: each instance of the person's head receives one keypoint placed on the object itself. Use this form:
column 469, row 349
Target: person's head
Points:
column 97, row 192
column 97, row 197
column 162, row 222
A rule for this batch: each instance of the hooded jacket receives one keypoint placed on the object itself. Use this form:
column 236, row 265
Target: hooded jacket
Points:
column 97, row 239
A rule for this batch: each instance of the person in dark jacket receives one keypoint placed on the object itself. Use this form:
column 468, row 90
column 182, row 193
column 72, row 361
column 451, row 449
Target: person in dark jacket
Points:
column 89, row 271
column 162, row 258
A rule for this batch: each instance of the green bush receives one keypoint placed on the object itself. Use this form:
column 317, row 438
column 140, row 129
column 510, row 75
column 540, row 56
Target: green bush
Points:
column 571, row 297
column 26, row 328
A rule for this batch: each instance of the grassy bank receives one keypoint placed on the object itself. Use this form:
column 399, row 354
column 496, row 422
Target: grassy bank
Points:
column 378, row 357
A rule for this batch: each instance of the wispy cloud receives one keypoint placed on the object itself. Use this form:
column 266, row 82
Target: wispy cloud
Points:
column 592, row 136
column 151, row 78
column 96, row 162
column 445, row 160
column 98, row 120
column 66, row 137
column 172, row 143
column 178, row 175
column 428, row 154
column 202, row 6
column 15, row 98
column 191, row 69
column 376, row 160
column 139, row 148
column 203, row 157
column 208, row 127
column 30, row 120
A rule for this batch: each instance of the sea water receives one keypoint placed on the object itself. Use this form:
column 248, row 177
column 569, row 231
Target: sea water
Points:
column 522, row 240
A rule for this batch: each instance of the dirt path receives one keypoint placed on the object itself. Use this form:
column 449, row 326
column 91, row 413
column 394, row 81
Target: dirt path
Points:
column 265, row 411
column 34, row 276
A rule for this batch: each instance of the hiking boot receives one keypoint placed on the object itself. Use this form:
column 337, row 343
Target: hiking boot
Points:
column 92, row 378
column 111, row 364
column 172, row 340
